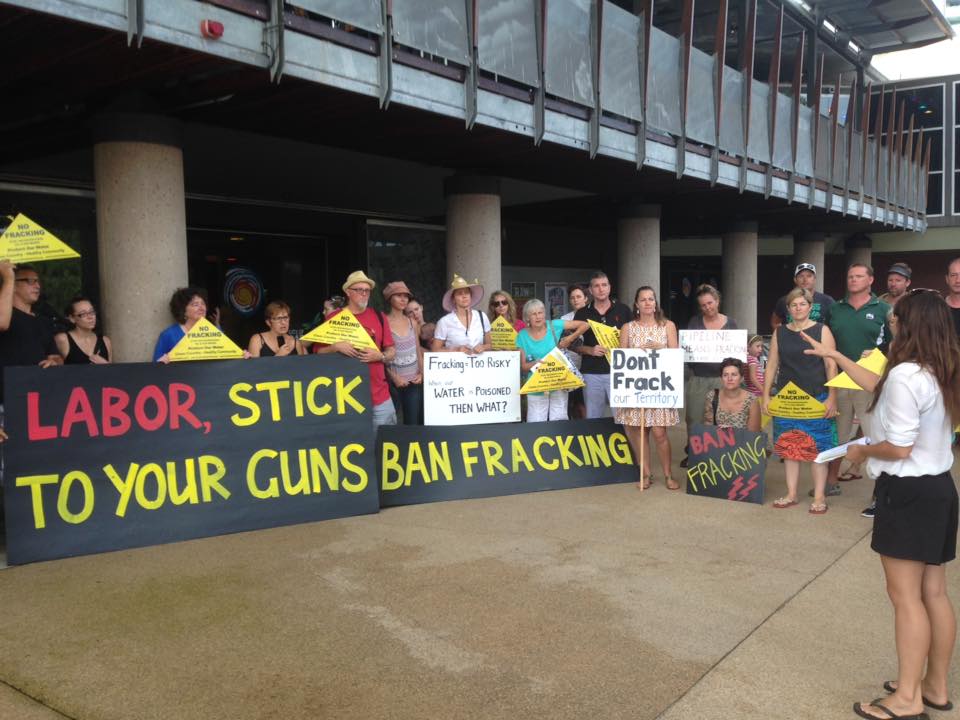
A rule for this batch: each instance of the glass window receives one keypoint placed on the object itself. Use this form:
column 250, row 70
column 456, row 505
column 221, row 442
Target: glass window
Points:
column 935, row 194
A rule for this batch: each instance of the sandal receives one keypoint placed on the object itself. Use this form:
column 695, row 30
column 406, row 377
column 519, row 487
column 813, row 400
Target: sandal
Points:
column 848, row 475
column 671, row 483
column 946, row 707
column 645, row 482
column 858, row 709
column 818, row 508
column 784, row 502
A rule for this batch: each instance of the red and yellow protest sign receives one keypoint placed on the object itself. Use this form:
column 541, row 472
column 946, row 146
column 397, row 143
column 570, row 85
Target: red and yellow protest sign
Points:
column 792, row 402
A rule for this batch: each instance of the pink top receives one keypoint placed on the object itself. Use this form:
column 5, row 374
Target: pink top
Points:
column 755, row 362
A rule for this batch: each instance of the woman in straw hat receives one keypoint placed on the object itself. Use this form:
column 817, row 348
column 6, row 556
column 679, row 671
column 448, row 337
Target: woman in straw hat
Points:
column 462, row 329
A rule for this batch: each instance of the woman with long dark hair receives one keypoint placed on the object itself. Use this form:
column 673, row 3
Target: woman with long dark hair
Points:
column 916, row 406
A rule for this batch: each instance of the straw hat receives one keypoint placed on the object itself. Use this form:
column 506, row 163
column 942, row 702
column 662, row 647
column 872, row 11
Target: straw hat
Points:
column 398, row 287
column 476, row 292
column 358, row 276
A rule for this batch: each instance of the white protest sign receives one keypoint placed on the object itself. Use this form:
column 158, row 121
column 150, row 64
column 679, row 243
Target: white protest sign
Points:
column 713, row 346
column 461, row 389
column 646, row 378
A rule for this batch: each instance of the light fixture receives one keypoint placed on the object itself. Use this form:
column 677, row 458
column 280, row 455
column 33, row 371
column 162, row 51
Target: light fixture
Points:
column 236, row 238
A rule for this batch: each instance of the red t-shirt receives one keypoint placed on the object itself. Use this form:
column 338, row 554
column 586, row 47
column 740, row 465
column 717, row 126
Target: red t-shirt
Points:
column 374, row 323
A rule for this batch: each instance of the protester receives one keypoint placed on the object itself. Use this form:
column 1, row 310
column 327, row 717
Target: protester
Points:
column 331, row 305
column 82, row 344
column 701, row 378
column 916, row 406
column 577, row 297
column 188, row 306
column 756, row 365
column 953, row 296
column 731, row 405
column 358, row 288
column 25, row 338
column 594, row 365
column 805, row 276
column 277, row 341
column 503, row 305
column 535, row 341
column 649, row 330
column 898, row 282
column 859, row 324
column 463, row 328
column 406, row 369
column 801, row 440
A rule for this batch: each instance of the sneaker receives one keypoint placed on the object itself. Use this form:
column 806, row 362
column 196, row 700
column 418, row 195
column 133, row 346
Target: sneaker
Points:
column 829, row 491
column 868, row 511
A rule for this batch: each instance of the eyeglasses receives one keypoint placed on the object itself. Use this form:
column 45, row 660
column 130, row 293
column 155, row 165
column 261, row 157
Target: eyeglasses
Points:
column 498, row 303
column 279, row 318
column 359, row 290
column 86, row 314
column 29, row 281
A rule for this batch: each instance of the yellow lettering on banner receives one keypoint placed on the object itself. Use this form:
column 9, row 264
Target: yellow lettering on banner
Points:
column 440, row 460
column 297, row 398
column 302, row 486
column 792, row 402
column 544, row 440
column 63, row 498
column 212, row 471
column 155, row 471
column 343, row 326
column 416, row 463
column 519, row 456
column 189, row 492
column 620, row 448
column 502, row 334
column 238, row 399
column 124, row 487
column 311, row 391
column 567, row 457
column 329, row 468
column 35, row 483
column 468, row 459
column 273, row 388
column 360, row 484
column 597, row 451
column 389, row 464
column 344, row 396
column 273, row 489
column 875, row 362
column 205, row 341
column 26, row 242
column 492, row 452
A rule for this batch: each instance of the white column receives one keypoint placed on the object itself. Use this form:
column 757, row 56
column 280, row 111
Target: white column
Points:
column 141, row 228
column 473, row 230
column 739, row 274
column 638, row 252
column 808, row 247
column 859, row 249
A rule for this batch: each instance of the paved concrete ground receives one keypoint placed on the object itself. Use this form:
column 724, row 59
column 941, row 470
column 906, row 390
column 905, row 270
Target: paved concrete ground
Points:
column 592, row 603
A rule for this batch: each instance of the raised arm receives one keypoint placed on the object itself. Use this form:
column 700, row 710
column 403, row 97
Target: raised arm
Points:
column 859, row 374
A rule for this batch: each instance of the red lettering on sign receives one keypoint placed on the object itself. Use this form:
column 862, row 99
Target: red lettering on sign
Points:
column 180, row 408
column 150, row 392
column 114, row 409
column 36, row 431
column 79, row 411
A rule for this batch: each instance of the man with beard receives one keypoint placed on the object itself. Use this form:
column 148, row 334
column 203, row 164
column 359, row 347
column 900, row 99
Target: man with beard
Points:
column 898, row 282
column 358, row 287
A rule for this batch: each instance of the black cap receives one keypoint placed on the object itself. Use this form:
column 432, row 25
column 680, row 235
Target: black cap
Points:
column 901, row 269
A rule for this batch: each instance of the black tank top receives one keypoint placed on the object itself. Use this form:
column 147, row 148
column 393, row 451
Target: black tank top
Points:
column 265, row 350
column 806, row 371
column 76, row 356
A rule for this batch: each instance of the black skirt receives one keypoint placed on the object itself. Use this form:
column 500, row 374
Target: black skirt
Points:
column 916, row 518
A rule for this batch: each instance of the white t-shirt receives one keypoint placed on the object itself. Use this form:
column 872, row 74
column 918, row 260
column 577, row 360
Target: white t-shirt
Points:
column 910, row 411
column 454, row 334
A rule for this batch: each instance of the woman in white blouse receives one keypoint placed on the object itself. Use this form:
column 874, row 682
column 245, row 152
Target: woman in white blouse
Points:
column 916, row 406
column 463, row 329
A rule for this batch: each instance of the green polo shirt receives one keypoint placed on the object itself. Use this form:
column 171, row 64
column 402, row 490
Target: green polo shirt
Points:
column 859, row 330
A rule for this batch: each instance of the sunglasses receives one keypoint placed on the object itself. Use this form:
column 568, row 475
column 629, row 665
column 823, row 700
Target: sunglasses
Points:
column 914, row 291
column 498, row 303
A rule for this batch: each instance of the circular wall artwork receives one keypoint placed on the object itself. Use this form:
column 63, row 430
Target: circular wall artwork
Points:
column 243, row 291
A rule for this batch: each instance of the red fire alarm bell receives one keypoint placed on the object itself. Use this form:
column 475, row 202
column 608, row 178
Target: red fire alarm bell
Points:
column 211, row 29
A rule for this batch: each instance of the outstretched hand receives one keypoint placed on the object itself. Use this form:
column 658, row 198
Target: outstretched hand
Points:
column 816, row 348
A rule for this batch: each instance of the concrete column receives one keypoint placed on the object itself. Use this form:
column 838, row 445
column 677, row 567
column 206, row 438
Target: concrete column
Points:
column 638, row 251
column 859, row 249
column 808, row 247
column 739, row 274
column 141, row 227
column 473, row 230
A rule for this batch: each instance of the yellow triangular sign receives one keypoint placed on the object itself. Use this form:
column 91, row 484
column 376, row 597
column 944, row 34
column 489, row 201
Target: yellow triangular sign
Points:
column 26, row 242
column 502, row 334
column 607, row 337
column 342, row 326
column 205, row 341
column 875, row 362
column 553, row 372
column 792, row 402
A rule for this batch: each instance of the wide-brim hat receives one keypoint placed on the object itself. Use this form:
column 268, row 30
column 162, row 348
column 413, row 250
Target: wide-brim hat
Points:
column 398, row 287
column 476, row 292
column 358, row 276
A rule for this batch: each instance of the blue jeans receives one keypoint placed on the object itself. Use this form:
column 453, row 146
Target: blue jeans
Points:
column 409, row 400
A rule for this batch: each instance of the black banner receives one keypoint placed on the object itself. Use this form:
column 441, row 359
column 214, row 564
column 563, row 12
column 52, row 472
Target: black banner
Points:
column 419, row 465
column 104, row 458
column 726, row 463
